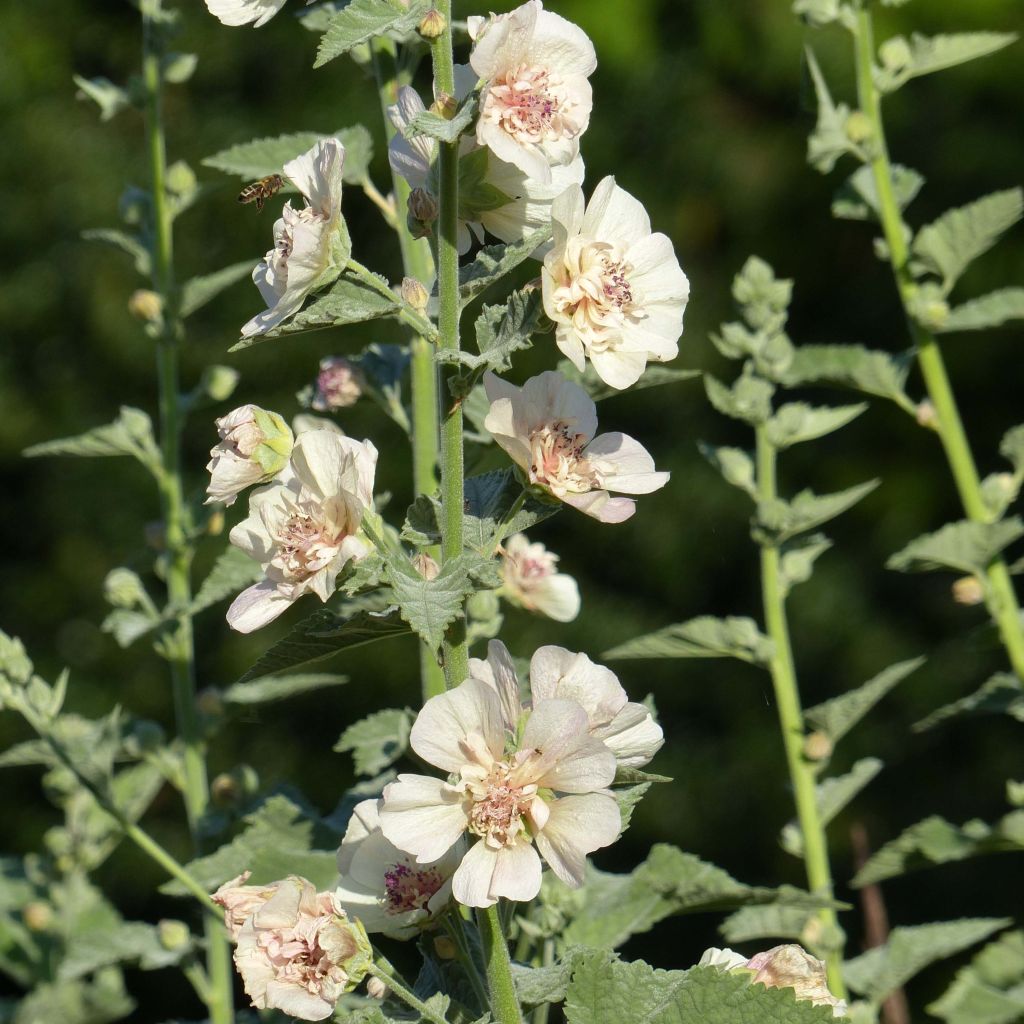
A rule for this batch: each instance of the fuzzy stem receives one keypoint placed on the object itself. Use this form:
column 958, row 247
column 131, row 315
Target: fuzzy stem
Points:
column 417, row 263
column 1000, row 597
column 180, row 651
column 504, row 1004
column 455, row 648
column 791, row 722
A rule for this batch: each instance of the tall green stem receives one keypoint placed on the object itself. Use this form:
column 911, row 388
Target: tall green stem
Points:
column 179, row 640
column 1000, row 596
column 417, row 263
column 504, row 1004
column 455, row 648
column 791, row 720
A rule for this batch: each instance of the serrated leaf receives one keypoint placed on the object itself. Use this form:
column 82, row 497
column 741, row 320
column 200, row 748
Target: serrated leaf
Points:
column 502, row 330
column 987, row 311
column 652, row 377
column 1001, row 694
column 489, row 498
column 275, row 843
column 130, row 942
column 198, row 291
column 836, row 717
column 928, row 54
column 703, row 637
column 781, row 520
column 749, row 399
column 882, row 970
column 443, row 129
column 829, row 141
column 798, row 556
column 990, row 990
column 627, row 798
column 767, row 922
column 233, row 571
column 128, row 244
column 268, row 689
column 964, row 546
column 857, row 197
column 797, row 421
column 735, row 465
column 852, row 366
column 937, row 841
column 126, row 626
column 536, row 985
column 261, row 157
column 130, row 434
column 946, row 246
column 493, row 262
column 360, row 20
column 377, row 741
column 322, row 635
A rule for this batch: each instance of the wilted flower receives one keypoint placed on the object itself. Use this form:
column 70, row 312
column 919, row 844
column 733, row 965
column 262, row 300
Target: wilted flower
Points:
column 311, row 245
column 384, row 887
column 303, row 527
column 254, row 447
column 614, row 290
column 506, row 793
column 296, row 950
column 531, row 580
column 536, row 100
column 494, row 196
column 547, row 428
column 245, row 12
column 338, row 384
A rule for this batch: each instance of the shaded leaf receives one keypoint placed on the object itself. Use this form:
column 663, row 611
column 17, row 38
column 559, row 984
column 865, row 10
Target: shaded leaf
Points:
column 502, row 330
column 130, row 434
column 767, row 922
column 130, row 942
column 489, row 499
column 780, row 520
column 198, row 291
column 990, row 990
column 377, row 741
column 233, row 571
column 735, row 465
column 796, row 422
column 268, row 689
column 829, row 141
column 857, row 198
column 130, row 245
column 748, row 399
column 493, row 262
column 1001, row 694
column 964, row 546
column 798, row 557
column 360, row 20
column 703, row 637
column 852, row 366
column 987, row 311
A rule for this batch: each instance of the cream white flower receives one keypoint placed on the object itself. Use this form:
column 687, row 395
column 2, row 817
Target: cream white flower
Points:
column 303, row 527
column 505, row 794
column 254, row 447
column 494, row 196
column 384, row 887
column 311, row 245
column 245, row 12
column 614, row 290
column 547, row 428
column 531, row 580
column 724, row 959
column 536, row 99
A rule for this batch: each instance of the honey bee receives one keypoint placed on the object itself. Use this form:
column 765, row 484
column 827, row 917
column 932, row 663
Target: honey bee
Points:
column 260, row 191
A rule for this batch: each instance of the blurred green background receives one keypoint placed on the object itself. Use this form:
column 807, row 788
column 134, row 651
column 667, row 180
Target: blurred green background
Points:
column 698, row 112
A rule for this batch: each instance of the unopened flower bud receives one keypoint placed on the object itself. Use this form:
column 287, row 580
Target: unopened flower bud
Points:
column 180, row 178
column 339, row 384
column 858, row 127
column 414, row 294
column 895, row 53
column 145, row 305
column 790, row 966
column 123, row 589
column 433, row 24
column 210, row 702
column 444, row 947
column 375, row 988
column 817, row 746
column 145, row 736
column 421, row 212
column 426, row 566
column 230, row 788
column 215, row 524
column 926, row 415
column 219, row 382
column 173, row 935
column 255, row 446
column 968, row 590
column 37, row 915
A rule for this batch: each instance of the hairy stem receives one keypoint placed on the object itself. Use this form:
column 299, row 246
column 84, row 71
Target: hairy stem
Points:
column 455, row 648
column 504, row 1005
column 417, row 263
column 787, row 699
column 180, row 649
column 1000, row 597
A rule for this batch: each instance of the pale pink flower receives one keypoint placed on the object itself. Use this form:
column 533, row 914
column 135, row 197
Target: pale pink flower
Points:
column 254, row 447
column 547, row 427
column 536, row 99
column 614, row 290
column 245, row 12
column 385, row 887
column 297, row 951
column 505, row 793
column 339, row 384
column 303, row 527
column 531, row 580
column 241, row 901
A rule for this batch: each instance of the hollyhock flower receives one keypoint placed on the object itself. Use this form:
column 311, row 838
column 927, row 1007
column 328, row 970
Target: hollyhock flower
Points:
column 494, row 196
column 614, row 290
column 339, row 384
column 303, row 526
column 384, row 887
column 505, row 794
column 531, row 581
column 241, row 901
column 245, row 12
column 295, row 949
column 311, row 245
column 547, row 428
column 254, row 447
column 536, row 100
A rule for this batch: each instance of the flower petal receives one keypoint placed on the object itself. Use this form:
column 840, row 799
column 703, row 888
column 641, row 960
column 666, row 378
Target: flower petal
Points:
column 631, row 465
column 451, row 722
column 516, row 873
column 255, row 607
column 422, row 816
column 471, row 883
column 556, row 673
column 499, row 672
column 570, row 760
column 576, row 826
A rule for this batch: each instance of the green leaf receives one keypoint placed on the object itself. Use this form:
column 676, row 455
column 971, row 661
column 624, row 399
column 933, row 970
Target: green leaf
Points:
column 654, row 376
column 990, row 990
column 749, row 399
column 502, row 330
column 771, row 921
column 831, row 796
column 130, row 942
column 493, row 262
column 987, row 311
column 98, row 1000
column 964, row 546
column 798, row 557
column 268, row 689
column 836, row 717
column 735, row 465
column 348, row 301
column 882, row 970
column 323, row 634
column 857, row 198
column 781, row 520
column 1012, row 447
column 937, row 841
column 444, row 129
column 536, row 985
column 260, row 157
column 360, row 20
column 926, row 54
column 851, row 366
column 198, row 291
column 829, row 141
column 703, row 637
column 627, row 798
column 110, row 98
column 233, row 571
column 128, row 244
column 178, row 68
column 126, row 626
column 377, row 741
column 276, row 843
column 489, row 499
column 130, row 434
column 604, row 989
column 1001, row 694
column 946, row 246
column 796, row 422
